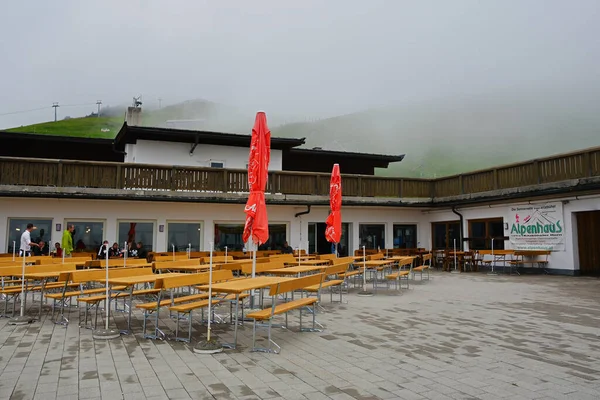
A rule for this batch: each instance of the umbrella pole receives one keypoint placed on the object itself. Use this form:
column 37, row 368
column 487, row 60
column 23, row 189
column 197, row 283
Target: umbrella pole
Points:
column 22, row 319
column 14, row 249
column 173, row 252
column 493, row 260
column 106, row 333
column 225, row 254
column 189, row 251
column 253, row 275
column 364, row 292
column 209, row 346
column 455, row 270
column 125, row 253
column 210, row 269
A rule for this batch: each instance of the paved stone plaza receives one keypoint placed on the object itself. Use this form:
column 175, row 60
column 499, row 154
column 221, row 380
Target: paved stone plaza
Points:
column 466, row 336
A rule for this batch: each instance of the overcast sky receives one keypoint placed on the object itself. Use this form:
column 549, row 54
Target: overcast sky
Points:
column 302, row 58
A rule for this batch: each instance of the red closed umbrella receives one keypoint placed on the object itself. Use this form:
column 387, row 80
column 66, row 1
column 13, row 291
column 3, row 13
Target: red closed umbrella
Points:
column 257, row 223
column 333, row 232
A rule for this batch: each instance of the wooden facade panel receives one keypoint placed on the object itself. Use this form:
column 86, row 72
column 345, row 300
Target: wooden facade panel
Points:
column 594, row 163
column 588, row 237
column 563, row 168
column 415, row 188
column 88, row 176
column 28, row 173
column 517, row 175
column 447, row 187
column 381, row 187
column 478, row 182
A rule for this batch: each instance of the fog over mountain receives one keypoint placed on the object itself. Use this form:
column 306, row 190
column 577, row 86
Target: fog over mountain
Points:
column 454, row 85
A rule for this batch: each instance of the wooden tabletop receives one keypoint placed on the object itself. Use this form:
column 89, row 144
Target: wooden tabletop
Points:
column 243, row 285
column 298, row 269
column 376, row 263
column 134, row 280
column 309, row 262
column 185, row 267
column 44, row 275
column 402, row 258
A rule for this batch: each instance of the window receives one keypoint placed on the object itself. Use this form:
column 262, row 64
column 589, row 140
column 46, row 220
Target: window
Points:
column 445, row 234
column 136, row 232
column 405, row 237
column 372, row 236
column 230, row 235
column 318, row 244
column 481, row 232
column 16, row 227
column 217, row 164
column 183, row 234
column 87, row 236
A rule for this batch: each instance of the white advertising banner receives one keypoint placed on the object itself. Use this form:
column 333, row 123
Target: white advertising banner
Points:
column 537, row 227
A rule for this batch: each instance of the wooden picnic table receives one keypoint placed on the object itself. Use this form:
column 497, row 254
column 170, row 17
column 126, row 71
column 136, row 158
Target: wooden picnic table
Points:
column 130, row 282
column 297, row 270
column 309, row 262
column 239, row 286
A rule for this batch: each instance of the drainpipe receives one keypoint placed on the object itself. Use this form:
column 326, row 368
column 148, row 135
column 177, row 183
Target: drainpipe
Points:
column 300, row 215
column 462, row 246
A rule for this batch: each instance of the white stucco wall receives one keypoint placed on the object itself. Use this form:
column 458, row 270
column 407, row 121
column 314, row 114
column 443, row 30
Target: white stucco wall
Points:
column 167, row 153
column 160, row 213
column 567, row 259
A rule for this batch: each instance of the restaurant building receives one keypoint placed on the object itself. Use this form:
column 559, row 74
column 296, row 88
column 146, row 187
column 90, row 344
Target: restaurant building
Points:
column 173, row 188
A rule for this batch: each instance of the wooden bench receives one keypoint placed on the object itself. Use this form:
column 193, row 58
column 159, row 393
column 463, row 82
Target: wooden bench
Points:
column 533, row 257
column 14, row 290
column 401, row 273
column 267, row 314
column 81, row 279
column 170, row 258
column 262, row 267
column 333, row 279
column 189, row 307
column 172, row 265
column 115, row 262
column 375, row 257
column 426, row 266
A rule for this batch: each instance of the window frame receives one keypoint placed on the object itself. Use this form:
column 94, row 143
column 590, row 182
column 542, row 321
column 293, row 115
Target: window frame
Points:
column 449, row 245
column 76, row 220
column 385, row 226
column 406, row 224
column 18, row 242
column 242, row 223
column 211, row 161
column 145, row 221
column 179, row 221
column 487, row 238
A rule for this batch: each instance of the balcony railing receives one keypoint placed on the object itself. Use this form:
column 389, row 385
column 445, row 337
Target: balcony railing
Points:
column 87, row 174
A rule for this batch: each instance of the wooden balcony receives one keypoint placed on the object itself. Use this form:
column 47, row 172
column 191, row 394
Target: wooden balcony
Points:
column 160, row 178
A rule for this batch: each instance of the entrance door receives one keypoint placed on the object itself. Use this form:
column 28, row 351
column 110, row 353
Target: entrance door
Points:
column 588, row 237
column 318, row 244
column 445, row 234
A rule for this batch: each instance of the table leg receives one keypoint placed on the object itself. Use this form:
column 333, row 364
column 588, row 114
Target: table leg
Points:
column 235, row 328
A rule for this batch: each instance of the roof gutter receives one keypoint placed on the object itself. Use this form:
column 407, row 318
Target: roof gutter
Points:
column 303, row 212
column 461, row 227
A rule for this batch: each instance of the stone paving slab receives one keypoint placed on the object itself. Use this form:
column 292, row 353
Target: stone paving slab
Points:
column 467, row 336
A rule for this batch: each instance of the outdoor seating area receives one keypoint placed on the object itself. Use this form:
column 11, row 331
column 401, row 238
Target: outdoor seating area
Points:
column 260, row 290
column 359, row 334
column 498, row 261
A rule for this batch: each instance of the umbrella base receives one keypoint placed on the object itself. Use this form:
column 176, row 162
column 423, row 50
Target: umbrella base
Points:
column 364, row 293
column 20, row 320
column 492, row 273
column 208, row 347
column 455, row 272
column 106, row 334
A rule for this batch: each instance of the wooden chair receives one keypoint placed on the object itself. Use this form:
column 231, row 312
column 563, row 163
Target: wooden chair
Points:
column 284, row 308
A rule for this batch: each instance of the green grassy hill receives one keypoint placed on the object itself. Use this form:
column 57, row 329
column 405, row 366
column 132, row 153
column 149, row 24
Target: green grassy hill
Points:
column 92, row 127
column 439, row 138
